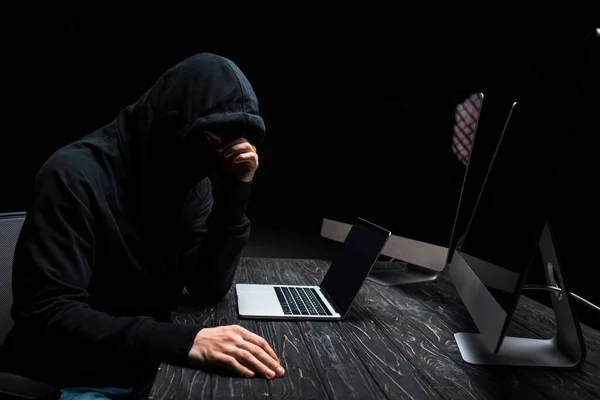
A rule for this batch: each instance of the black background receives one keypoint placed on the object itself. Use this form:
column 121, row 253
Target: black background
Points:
column 68, row 73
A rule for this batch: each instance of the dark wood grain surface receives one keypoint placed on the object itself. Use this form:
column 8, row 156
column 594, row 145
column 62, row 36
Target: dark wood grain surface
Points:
column 397, row 343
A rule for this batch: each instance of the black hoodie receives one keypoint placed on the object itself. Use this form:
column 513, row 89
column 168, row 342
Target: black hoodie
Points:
column 121, row 220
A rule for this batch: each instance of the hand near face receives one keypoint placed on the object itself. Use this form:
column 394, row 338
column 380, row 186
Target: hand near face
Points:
column 239, row 157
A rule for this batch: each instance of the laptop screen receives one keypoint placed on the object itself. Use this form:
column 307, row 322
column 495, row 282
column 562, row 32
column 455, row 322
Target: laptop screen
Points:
column 350, row 268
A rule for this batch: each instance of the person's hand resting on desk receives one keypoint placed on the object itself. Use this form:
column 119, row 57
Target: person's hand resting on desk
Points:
column 232, row 346
column 235, row 348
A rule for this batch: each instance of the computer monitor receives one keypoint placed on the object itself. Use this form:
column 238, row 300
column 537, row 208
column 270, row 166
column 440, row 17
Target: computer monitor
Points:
column 405, row 173
column 576, row 196
column 493, row 256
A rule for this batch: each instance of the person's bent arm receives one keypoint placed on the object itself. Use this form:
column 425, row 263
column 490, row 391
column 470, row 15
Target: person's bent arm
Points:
column 216, row 230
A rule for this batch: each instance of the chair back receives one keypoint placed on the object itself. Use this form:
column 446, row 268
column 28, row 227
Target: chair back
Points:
column 10, row 228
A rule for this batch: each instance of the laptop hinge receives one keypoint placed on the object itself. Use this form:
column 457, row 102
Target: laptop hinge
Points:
column 330, row 300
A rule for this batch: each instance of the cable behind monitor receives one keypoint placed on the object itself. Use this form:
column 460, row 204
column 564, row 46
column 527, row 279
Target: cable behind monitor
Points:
column 559, row 290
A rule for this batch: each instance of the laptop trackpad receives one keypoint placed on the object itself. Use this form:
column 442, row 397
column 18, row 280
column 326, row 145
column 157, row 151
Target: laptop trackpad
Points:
column 257, row 300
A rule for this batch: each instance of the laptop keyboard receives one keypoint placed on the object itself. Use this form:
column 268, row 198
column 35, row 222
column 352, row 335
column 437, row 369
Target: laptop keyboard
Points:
column 300, row 301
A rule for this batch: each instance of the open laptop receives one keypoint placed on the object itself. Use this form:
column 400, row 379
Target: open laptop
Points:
column 331, row 300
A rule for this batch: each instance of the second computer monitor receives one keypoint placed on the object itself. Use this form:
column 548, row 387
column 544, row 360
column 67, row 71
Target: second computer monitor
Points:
column 404, row 170
column 494, row 254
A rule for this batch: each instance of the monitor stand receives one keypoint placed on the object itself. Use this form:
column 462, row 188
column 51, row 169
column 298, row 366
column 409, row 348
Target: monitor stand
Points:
column 392, row 273
column 565, row 350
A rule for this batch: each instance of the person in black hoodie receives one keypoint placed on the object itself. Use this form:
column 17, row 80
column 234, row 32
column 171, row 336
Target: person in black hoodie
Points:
column 123, row 219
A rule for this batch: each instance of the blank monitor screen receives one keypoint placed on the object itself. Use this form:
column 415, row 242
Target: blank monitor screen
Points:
column 350, row 268
column 505, row 227
column 402, row 165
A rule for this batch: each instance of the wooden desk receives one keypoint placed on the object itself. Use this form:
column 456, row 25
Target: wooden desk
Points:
column 397, row 343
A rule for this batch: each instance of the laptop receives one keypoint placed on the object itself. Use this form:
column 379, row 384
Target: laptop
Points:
column 329, row 301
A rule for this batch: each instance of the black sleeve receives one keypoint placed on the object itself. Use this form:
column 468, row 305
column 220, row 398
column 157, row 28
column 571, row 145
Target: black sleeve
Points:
column 54, row 262
column 216, row 229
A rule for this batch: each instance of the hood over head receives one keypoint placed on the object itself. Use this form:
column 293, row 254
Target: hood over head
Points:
column 163, row 132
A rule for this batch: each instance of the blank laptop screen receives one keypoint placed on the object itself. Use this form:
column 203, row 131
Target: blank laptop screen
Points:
column 353, row 263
